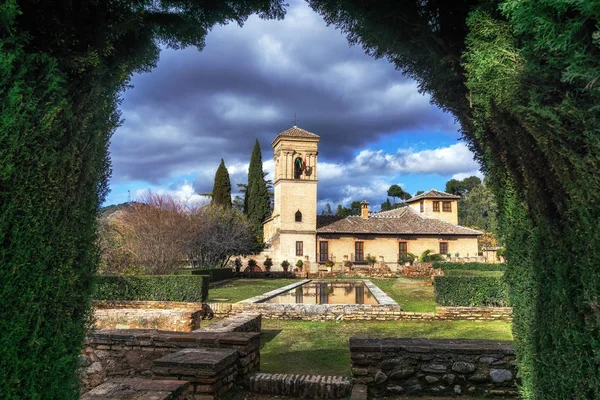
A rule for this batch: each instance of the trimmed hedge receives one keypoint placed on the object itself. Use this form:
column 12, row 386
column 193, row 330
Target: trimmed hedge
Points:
column 152, row 288
column 215, row 274
column 473, row 266
column 470, row 291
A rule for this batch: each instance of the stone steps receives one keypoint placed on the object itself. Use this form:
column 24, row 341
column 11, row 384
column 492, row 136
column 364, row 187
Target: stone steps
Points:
column 304, row 386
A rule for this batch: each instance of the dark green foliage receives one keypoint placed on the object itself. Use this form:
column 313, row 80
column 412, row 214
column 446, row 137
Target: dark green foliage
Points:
column 419, row 192
column 215, row 274
column 221, row 193
column 430, row 256
column 386, row 205
column 471, row 266
column 470, row 291
column 62, row 66
column 478, row 208
column 396, row 191
column 193, row 288
column 345, row 212
column 463, row 187
column 257, row 201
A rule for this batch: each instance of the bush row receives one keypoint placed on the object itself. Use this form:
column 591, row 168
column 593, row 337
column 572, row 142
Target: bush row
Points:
column 193, row 288
column 471, row 291
column 474, row 266
column 215, row 274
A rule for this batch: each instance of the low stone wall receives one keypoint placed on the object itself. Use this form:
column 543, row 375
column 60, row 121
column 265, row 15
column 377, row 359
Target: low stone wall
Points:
column 391, row 367
column 157, row 305
column 140, row 389
column 474, row 313
column 130, row 352
column 210, row 372
column 302, row 386
column 179, row 320
column 268, row 275
column 235, row 323
column 421, row 270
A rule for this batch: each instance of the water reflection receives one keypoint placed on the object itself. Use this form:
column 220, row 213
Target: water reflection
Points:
column 319, row 292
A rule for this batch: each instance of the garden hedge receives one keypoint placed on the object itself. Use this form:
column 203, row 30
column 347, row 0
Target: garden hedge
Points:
column 474, row 266
column 215, row 274
column 193, row 288
column 471, row 291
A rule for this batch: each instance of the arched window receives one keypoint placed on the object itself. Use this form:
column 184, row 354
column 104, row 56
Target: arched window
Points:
column 298, row 166
column 298, row 216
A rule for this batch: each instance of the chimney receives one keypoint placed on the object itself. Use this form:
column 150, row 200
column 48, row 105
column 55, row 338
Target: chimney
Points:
column 364, row 209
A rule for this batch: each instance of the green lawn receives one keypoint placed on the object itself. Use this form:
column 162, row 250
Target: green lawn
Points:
column 322, row 347
column 411, row 294
column 241, row 289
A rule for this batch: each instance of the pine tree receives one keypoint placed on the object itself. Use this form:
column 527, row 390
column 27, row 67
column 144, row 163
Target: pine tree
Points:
column 221, row 193
column 257, row 199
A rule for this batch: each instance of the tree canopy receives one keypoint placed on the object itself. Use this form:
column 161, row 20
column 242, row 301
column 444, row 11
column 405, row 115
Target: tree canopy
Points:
column 258, row 198
column 221, row 193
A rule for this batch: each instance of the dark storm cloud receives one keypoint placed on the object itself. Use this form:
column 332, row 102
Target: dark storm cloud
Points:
column 198, row 107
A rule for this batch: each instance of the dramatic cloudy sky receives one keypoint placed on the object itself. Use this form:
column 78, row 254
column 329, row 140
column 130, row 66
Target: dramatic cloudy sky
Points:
column 198, row 107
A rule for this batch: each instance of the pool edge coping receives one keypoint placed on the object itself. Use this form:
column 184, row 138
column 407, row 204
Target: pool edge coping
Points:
column 380, row 296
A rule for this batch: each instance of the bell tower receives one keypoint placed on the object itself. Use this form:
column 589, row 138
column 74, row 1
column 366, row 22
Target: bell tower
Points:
column 294, row 218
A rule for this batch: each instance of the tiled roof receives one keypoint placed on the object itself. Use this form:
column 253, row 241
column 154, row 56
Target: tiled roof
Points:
column 298, row 132
column 432, row 194
column 399, row 221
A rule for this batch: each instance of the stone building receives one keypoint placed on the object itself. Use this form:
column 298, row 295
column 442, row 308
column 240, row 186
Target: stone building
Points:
column 295, row 231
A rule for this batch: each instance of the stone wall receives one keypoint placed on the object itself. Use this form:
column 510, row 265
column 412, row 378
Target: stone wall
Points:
column 235, row 323
column 391, row 367
column 163, row 305
column 474, row 313
column 130, row 352
column 300, row 386
column 163, row 319
column 421, row 270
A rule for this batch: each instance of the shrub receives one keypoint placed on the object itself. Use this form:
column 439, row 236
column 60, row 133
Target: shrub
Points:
column 299, row 264
column 329, row 264
column 285, row 264
column 470, row 291
column 407, row 258
column 215, row 274
column 430, row 256
column 348, row 264
column 193, row 288
column 371, row 260
column 472, row 266
column 252, row 262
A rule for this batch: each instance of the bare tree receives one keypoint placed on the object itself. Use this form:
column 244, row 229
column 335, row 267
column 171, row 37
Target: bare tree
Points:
column 221, row 234
column 160, row 230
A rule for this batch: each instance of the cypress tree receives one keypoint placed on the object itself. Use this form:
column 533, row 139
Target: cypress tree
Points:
column 257, row 200
column 221, row 193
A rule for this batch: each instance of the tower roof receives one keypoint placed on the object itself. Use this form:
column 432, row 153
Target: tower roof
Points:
column 296, row 132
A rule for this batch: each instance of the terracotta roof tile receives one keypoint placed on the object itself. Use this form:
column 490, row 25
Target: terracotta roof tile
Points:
column 432, row 194
column 399, row 221
column 298, row 132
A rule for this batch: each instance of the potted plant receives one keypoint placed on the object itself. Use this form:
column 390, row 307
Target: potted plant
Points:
column 268, row 264
column 329, row 265
column 285, row 264
column 348, row 265
column 456, row 255
column 237, row 263
column 299, row 265
column 251, row 264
